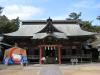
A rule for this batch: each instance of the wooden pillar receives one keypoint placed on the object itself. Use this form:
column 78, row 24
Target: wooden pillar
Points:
column 40, row 61
column 59, row 54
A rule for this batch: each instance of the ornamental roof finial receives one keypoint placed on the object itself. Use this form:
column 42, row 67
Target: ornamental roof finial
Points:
column 49, row 19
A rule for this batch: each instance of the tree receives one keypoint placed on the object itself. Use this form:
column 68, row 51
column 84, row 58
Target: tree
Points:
column 74, row 15
column 17, row 20
column 1, row 9
column 6, row 25
column 98, row 17
column 97, row 28
column 87, row 25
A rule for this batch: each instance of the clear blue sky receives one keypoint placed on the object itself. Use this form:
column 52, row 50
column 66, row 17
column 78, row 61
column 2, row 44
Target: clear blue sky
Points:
column 56, row 9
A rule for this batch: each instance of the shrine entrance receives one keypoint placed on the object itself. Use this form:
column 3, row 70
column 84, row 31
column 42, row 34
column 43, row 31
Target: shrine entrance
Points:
column 50, row 54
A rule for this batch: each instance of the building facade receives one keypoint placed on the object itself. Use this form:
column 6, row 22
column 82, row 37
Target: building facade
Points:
column 52, row 41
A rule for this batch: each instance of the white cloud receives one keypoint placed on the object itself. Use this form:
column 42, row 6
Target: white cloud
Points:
column 64, row 16
column 21, row 11
column 60, row 17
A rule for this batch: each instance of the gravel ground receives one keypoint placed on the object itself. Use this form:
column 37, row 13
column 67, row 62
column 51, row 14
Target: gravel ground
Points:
column 83, row 69
column 88, row 69
column 19, row 70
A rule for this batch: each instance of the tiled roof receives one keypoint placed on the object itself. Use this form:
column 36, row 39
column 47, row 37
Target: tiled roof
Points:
column 68, row 29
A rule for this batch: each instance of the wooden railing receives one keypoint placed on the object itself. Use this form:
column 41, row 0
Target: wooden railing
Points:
column 33, row 56
column 77, row 56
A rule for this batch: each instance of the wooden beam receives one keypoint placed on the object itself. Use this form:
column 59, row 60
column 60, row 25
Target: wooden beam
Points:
column 40, row 55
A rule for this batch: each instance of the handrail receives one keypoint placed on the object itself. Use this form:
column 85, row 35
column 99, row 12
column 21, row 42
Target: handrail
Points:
column 33, row 56
column 78, row 56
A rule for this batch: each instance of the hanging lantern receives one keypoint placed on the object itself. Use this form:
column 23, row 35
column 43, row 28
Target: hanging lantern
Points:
column 48, row 48
column 45, row 47
column 54, row 48
column 51, row 48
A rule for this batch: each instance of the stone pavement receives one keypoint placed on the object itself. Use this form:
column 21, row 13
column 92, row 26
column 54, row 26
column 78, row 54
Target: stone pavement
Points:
column 50, row 70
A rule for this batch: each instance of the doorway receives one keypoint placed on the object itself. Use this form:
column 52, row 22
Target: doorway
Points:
column 50, row 54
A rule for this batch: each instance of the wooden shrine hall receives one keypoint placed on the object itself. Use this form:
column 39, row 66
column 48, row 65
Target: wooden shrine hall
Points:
column 52, row 41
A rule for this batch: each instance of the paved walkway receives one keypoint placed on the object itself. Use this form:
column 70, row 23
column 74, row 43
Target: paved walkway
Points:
column 50, row 70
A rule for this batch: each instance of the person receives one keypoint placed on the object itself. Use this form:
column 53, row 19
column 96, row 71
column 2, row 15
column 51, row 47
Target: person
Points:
column 44, row 60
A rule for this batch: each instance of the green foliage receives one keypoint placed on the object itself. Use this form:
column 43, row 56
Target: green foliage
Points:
column 97, row 28
column 86, row 25
column 1, row 9
column 74, row 15
column 6, row 25
column 98, row 17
